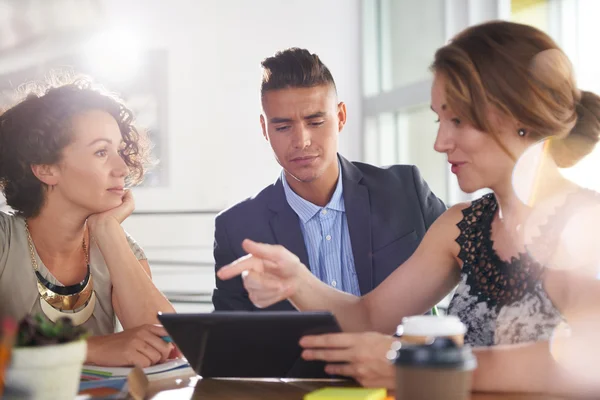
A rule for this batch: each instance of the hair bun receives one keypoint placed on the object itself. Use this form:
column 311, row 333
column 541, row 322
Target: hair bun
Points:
column 583, row 137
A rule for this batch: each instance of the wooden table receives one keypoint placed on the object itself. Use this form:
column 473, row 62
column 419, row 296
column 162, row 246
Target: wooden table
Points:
column 189, row 386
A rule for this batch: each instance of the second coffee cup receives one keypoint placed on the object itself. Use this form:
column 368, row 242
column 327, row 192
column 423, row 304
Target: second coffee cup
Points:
column 440, row 370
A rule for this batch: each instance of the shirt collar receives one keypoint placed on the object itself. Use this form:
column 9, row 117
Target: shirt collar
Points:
column 304, row 208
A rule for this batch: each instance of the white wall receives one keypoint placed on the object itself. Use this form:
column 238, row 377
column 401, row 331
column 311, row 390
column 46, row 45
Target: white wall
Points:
column 217, row 155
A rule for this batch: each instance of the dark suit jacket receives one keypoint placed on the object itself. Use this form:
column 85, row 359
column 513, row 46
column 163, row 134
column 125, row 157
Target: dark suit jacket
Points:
column 388, row 211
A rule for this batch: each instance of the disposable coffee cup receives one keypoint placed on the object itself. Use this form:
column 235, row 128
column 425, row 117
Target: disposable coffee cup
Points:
column 423, row 329
column 441, row 370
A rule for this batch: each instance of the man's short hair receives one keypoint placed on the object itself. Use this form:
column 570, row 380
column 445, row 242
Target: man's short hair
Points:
column 294, row 68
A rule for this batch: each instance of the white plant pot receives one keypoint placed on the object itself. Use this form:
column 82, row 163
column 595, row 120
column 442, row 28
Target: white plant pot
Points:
column 49, row 372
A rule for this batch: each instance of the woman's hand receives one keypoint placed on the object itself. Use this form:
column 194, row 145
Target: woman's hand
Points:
column 361, row 356
column 118, row 214
column 271, row 273
column 142, row 346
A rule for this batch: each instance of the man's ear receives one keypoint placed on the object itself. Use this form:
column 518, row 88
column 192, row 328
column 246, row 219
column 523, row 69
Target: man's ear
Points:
column 263, row 125
column 47, row 174
column 341, row 116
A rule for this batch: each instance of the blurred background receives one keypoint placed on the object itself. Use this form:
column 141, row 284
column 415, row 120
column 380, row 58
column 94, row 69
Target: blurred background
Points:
column 190, row 69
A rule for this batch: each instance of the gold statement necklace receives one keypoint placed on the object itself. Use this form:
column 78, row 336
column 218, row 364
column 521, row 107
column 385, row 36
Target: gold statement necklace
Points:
column 76, row 302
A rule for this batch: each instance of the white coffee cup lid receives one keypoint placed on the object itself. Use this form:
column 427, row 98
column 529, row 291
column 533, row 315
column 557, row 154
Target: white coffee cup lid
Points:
column 431, row 325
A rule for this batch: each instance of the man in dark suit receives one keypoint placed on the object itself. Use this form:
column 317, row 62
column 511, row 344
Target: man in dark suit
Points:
column 351, row 223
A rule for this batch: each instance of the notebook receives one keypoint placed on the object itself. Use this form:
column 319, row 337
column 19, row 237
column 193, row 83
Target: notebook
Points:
column 94, row 372
column 112, row 388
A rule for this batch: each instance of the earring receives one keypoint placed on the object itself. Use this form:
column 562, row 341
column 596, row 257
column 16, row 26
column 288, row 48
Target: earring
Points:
column 521, row 132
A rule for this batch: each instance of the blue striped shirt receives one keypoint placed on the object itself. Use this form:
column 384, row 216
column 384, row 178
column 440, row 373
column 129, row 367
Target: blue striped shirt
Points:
column 327, row 239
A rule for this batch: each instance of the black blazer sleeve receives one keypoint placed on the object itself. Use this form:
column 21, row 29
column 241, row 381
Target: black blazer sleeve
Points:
column 431, row 206
column 229, row 295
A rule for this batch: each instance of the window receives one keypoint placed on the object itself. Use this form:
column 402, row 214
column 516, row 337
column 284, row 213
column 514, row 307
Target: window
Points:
column 531, row 12
column 420, row 129
column 399, row 127
column 407, row 137
column 403, row 62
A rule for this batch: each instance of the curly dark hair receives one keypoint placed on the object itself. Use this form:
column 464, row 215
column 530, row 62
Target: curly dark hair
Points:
column 37, row 129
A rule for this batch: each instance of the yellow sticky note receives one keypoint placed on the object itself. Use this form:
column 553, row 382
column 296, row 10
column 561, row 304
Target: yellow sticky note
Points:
column 335, row 393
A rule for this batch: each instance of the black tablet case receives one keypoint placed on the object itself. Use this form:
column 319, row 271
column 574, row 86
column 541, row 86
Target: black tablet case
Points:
column 249, row 344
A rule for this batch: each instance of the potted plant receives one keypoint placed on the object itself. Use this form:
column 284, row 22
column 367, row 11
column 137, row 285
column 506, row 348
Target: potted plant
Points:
column 48, row 357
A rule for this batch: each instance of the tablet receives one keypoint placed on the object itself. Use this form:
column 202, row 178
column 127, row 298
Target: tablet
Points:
column 249, row 344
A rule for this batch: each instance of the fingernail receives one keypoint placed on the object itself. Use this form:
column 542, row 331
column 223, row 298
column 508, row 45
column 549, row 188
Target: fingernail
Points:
column 305, row 339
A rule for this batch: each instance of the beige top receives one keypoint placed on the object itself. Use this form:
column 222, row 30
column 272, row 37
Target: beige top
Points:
column 19, row 295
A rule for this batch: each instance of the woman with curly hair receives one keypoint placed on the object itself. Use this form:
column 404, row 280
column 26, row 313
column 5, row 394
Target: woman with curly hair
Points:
column 67, row 157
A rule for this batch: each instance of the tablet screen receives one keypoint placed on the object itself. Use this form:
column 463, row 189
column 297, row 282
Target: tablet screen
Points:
column 249, row 344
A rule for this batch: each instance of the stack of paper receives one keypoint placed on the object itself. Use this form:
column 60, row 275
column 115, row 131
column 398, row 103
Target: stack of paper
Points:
column 112, row 381
column 94, row 372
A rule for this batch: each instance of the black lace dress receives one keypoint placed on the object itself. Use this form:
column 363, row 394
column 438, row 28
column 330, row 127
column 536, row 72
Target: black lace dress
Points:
column 504, row 302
